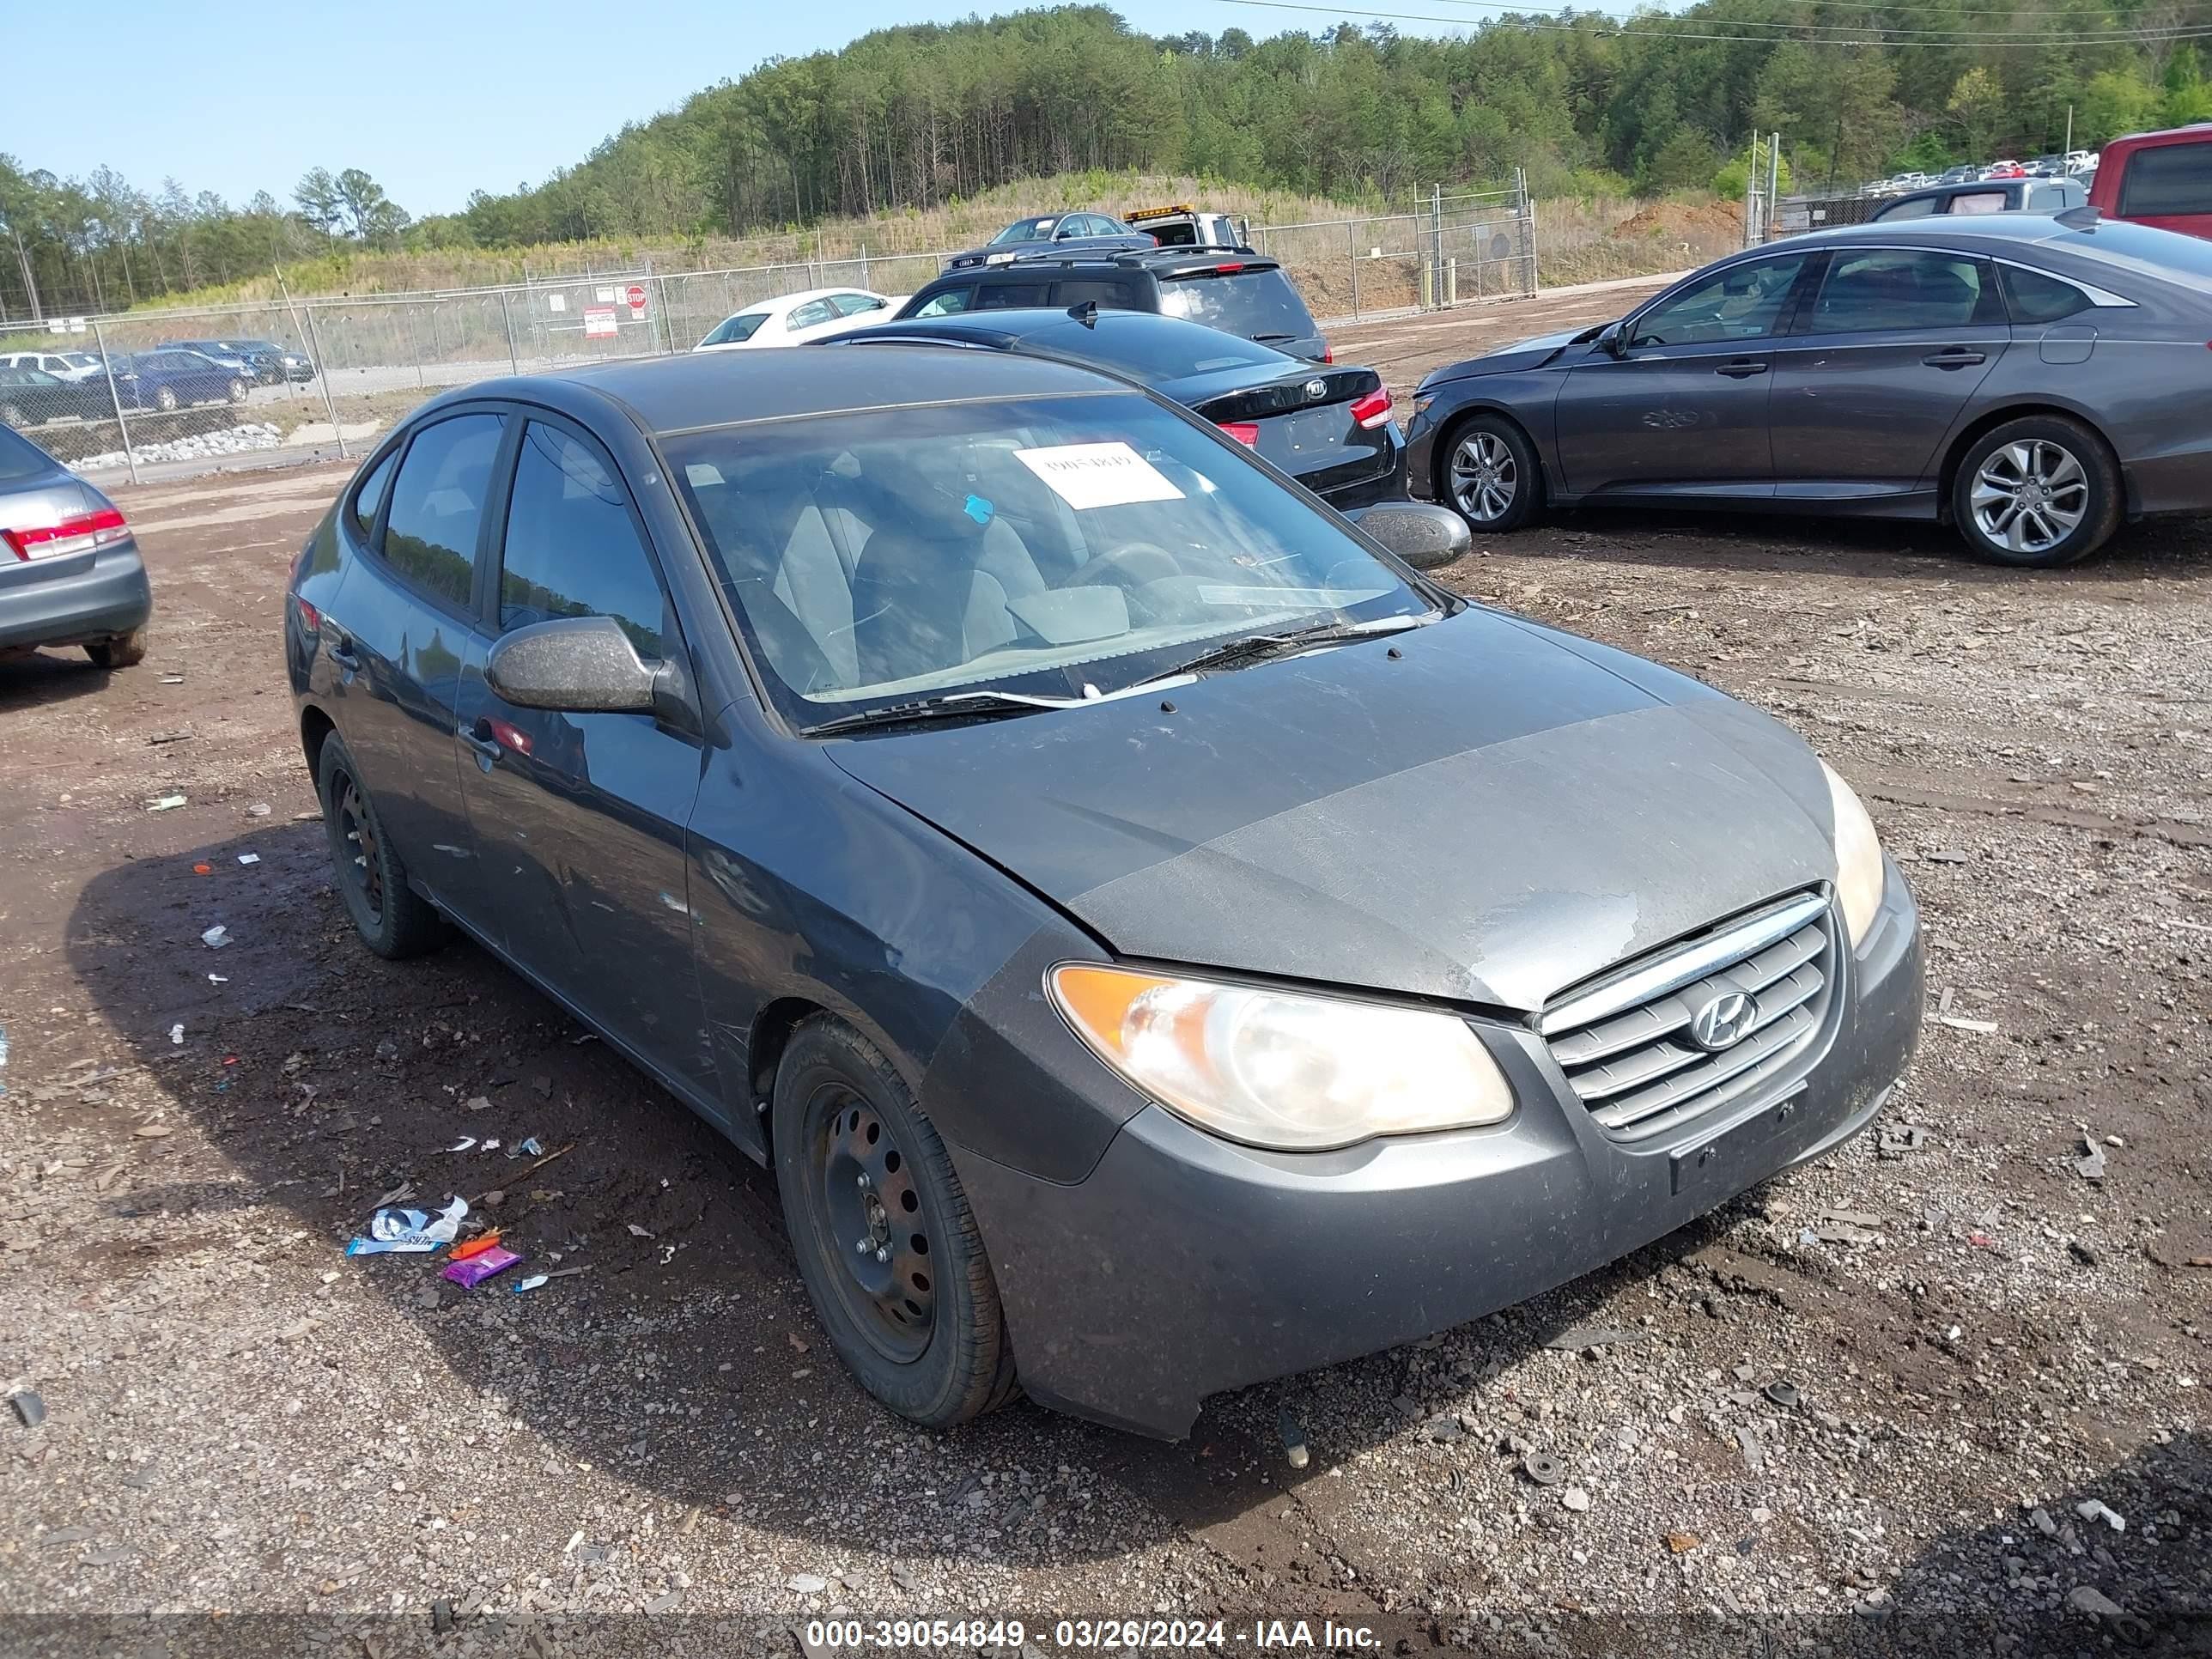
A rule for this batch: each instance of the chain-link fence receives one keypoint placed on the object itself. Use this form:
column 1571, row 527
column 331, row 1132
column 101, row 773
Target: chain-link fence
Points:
column 175, row 390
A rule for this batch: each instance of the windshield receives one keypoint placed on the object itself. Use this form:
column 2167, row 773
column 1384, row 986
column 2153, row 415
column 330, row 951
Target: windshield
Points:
column 1046, row 546
column 1024, row 230
column 731, row 329
column 1259, row 305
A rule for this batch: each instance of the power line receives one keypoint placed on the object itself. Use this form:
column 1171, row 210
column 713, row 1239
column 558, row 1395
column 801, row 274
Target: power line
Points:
column 1918, row 6
column 2191, row 32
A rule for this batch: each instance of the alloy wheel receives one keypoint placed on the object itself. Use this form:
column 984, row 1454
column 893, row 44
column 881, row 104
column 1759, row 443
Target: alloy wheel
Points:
column 879, row 1231
column 357, row 860
column 1484, row 479
column 2030, row 495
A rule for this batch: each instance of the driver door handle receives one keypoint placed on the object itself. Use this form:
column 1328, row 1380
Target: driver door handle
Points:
column 481, row 739
column 1740, row 369
column 1956, row 358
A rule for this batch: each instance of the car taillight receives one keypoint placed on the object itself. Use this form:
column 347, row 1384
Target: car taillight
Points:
column 1328, row 352
column 1227, row 270
column 1373, row 409
column 78, row 534
column 310, row 618
column 1245, row 432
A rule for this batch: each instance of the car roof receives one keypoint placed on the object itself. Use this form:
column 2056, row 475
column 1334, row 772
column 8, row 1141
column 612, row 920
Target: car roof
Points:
column 719, row 388
column 1944, row 231
column 2196, row 133
column 786, row 302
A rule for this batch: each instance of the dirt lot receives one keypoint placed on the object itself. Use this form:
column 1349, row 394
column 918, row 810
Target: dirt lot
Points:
column 1863, row 1408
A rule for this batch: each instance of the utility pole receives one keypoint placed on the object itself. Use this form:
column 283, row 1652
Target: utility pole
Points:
column 2068, row 151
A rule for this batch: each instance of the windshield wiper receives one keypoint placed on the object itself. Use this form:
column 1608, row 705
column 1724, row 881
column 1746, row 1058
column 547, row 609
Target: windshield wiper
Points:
column 1262, row 339
column 956, row 705
column 1258, row 648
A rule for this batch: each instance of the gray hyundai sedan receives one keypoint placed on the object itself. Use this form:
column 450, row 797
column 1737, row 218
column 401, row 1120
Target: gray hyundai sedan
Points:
column 1159, row 940
column 2030, row 381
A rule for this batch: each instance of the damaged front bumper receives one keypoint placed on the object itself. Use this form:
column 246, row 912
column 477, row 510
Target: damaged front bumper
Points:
column 1183, row 1265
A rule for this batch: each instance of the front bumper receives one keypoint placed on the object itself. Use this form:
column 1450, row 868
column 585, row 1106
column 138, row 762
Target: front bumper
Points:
column 68, row 601
column 1183, row 1265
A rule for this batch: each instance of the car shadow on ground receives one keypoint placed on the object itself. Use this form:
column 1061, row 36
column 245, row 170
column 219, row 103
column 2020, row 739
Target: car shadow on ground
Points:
column 327, row 1078
column 2164, row 549
column 42, row 679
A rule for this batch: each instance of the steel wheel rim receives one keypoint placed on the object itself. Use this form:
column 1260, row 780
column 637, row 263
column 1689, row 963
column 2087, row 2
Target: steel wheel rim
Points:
column 357, row 840
column 1485, row 479
column 875, row 1228
column 165, row 400
column 2030, row 496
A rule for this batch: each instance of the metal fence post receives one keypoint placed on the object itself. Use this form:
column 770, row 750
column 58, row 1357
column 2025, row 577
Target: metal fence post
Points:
column 506, row 316
column 1436, row 240
column 1352, row 252
column 865, row 282
column 1774, row 176
column 107, row 366
column 330, row 403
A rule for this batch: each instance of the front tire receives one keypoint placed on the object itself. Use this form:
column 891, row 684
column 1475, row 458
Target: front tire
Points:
column 238, row 391
column 883, row 1234
column 165, row 399
column 12, row 415
column 1491, row 475
column 2037, row 492
column 392, row 920
column 123, row 651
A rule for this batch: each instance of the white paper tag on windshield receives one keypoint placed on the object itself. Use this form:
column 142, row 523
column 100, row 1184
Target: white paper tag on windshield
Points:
column 1098, row 475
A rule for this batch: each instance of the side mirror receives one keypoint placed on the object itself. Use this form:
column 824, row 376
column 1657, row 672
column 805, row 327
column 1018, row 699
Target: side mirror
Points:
column 1422, row 535
column 573, row 665
column 1613, row 341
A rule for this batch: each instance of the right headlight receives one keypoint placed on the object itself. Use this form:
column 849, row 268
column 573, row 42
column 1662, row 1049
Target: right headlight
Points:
column 1279, row 1068
column 1858, row 857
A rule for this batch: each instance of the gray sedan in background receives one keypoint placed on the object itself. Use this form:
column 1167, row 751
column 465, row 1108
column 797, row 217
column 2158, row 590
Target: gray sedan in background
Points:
column 2030, row 380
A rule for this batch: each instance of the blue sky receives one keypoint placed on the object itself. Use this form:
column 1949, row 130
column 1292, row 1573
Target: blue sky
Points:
column 437, row 99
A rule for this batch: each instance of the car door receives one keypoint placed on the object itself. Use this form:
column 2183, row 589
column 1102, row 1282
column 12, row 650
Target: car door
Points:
column 580, row 818
column 402, row 634
column 1683, row 408
column 1878, row 366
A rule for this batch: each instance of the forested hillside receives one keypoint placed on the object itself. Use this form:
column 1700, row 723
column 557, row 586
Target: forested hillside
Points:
column 921, row 116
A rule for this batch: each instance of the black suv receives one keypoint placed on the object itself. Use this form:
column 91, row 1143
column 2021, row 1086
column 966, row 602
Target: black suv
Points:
column 1233, row 289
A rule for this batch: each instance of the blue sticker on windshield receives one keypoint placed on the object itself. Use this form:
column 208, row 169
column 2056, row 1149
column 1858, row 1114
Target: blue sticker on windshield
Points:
column 979, row 509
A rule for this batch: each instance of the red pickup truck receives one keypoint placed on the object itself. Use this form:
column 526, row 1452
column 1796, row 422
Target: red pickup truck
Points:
column 2161, row 179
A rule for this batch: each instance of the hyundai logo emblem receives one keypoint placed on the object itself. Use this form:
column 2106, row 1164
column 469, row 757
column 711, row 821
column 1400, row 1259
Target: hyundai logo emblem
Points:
column 1721, row 1022
column 1316, row 388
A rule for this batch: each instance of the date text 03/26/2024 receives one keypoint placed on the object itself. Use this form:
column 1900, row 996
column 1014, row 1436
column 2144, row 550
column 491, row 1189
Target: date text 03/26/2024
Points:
column 1088, row 1635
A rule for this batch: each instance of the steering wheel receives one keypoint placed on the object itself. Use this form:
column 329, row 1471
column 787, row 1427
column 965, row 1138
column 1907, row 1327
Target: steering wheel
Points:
column 1136, row 562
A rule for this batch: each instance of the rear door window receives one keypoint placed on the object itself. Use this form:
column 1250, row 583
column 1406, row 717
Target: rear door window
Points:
column 806, row 316
column 572, row 548
column 1092, row 290
column 1902, row 289
column 20, row 458
column 1261, row 305
column 1003, row 296
column 438, row 497
column 2167, row 178
column 1979, row 201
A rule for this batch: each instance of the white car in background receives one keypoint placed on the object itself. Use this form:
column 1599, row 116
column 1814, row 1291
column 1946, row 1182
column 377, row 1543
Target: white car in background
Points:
column 70, row 365
column 796, row 318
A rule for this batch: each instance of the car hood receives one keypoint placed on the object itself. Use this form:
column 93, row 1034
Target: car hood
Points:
column 1490, row 816
column 1525, row 354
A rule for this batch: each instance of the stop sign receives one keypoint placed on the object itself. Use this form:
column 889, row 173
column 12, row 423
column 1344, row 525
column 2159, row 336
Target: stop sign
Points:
column 635, row 295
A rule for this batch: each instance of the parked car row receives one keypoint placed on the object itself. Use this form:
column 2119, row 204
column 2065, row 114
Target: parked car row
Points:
column 162, row 380
column 2078, row 164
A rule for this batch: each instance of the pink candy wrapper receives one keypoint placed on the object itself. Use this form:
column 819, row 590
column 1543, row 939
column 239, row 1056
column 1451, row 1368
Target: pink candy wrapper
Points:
column 478, row 1268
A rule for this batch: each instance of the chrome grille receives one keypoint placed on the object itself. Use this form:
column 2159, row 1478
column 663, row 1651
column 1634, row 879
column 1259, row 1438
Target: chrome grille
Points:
column 1624, row 1042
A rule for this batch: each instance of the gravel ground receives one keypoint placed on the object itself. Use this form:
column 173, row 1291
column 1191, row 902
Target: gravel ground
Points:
column 1874, row 1406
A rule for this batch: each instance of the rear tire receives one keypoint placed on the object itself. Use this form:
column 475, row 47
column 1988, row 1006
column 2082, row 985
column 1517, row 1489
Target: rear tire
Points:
column 123, row 651
column 238, row 392
column 1490, row 475
column 12, row 415
column 916, row 1316
column 2037, row 492
column 165, row 399
column 392, row 920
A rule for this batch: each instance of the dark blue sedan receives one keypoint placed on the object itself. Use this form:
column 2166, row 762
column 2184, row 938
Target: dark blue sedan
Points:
column 171, row 378
column 989, row 795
